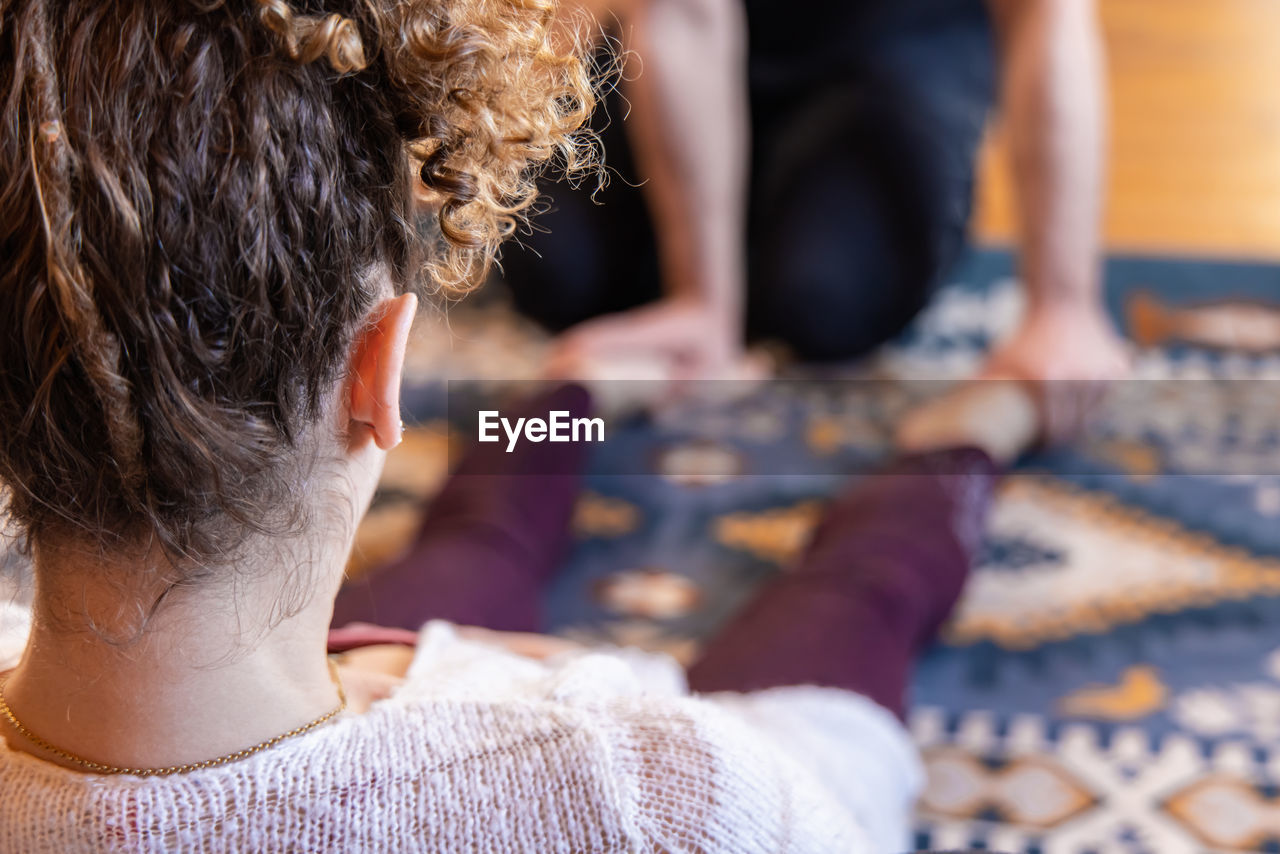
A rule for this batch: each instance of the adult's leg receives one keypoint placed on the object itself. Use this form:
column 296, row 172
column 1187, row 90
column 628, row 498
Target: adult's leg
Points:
column 883, row 571
column 490, row 541
column 863, row 191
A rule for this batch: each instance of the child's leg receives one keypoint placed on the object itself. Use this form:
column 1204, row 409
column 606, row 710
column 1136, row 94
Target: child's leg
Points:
column 881, row 574
column 489, row 542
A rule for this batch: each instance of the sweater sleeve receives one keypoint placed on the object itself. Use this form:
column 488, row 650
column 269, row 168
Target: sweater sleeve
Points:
column 15, row 624
column 698, row 779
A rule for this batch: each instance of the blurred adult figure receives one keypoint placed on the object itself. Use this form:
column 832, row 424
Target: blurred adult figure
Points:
column 807, row 173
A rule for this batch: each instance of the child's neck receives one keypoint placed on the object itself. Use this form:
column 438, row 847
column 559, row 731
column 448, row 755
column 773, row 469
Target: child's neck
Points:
column 207, row 675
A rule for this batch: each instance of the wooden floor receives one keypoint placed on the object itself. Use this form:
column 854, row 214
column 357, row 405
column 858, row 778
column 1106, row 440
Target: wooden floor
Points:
column 1195, row 130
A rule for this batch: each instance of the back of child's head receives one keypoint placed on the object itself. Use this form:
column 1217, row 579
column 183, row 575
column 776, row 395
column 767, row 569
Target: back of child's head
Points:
column 200, row 199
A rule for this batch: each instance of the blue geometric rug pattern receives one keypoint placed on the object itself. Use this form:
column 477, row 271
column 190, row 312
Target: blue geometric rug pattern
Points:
column 1111, row 682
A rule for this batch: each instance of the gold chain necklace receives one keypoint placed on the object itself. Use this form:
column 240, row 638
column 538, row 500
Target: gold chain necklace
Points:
column 99, row 768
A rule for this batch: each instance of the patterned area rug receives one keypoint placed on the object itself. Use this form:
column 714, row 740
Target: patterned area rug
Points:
column 1111, row 682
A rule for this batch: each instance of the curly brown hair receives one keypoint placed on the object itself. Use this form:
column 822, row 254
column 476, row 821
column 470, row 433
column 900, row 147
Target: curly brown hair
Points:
column 197, row 201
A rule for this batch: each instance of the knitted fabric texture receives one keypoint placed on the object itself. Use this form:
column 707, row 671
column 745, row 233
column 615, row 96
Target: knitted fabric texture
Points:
column 482, row 750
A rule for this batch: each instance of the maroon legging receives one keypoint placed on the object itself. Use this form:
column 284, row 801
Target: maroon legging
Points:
column 882, row 572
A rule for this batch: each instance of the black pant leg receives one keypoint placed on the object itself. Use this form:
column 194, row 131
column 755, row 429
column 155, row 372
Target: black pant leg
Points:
column 592, row 249
column 863, row 188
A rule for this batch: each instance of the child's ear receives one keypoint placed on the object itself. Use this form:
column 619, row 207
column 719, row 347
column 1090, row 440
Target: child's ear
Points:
column 376, row 367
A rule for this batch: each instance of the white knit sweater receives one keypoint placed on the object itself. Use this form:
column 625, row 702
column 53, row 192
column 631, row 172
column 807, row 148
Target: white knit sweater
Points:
column 481, row 750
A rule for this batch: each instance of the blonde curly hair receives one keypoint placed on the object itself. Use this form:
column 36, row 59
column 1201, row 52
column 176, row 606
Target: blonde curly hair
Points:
column 486, row 94
column 193, row 195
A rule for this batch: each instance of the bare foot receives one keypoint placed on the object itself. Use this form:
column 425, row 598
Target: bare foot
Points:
column 999, row 416
column 1038, row 387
